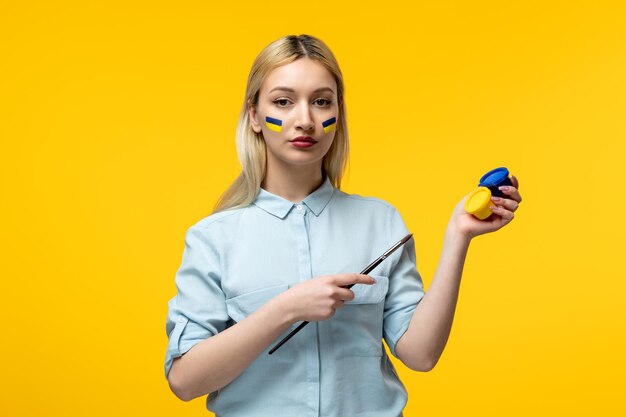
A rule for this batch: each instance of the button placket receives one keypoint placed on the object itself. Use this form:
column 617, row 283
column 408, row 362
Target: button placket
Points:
column 310, row 331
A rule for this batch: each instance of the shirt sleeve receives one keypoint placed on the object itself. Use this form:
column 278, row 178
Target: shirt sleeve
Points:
column 198, row 310
column 406, row 288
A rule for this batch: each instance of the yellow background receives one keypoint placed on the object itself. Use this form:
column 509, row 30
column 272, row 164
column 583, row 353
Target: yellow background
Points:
column 117, row 124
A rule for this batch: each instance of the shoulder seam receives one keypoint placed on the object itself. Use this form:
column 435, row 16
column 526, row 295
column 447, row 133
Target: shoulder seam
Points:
column 199, row 224
column 372, row 199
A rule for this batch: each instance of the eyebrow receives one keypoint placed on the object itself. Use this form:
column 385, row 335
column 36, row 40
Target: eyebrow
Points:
column 291, row 90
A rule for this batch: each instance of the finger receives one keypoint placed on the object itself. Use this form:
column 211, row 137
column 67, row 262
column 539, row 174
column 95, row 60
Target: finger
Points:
column 502, row 212
column 511, row 192
column 347, row 279
column 515, row 181
column 345, row 294
column 507, row 203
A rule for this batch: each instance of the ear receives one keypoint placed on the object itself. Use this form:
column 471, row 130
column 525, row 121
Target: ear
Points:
column 252, row 115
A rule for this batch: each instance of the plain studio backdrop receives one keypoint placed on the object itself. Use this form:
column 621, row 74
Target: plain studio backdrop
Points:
column 117, row 126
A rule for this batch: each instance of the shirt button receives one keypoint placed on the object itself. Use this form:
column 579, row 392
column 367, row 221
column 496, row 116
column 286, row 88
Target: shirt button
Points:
column 299, row 207
column 180, row 320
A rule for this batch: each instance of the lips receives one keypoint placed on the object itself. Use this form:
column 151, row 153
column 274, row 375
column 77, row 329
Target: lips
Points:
column 304, row 139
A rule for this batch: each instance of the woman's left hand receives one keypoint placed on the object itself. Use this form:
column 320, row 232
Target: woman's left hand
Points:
column 503, row 209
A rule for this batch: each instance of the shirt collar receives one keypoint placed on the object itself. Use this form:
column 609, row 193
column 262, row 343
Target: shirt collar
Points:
column 279, row 206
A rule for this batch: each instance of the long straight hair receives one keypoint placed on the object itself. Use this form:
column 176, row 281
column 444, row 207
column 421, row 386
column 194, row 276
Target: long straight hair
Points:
column 251, row 149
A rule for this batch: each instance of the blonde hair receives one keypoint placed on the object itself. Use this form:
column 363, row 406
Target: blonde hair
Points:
column 251, row 148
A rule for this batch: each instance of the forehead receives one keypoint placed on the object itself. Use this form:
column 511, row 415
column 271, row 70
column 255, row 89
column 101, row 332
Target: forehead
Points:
column 303, row 74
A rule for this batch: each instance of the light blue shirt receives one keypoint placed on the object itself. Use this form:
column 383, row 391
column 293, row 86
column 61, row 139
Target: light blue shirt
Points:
column 234, row 261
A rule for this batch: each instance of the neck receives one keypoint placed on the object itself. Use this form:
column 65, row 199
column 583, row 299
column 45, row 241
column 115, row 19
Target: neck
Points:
column 292, row 182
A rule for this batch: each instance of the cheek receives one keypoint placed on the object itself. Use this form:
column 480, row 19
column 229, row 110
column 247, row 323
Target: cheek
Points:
column 273, row 129
column 273, row 124
column 329, row 125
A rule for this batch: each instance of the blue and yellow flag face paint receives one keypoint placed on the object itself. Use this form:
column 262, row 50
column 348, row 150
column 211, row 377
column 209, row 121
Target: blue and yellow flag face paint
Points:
column 329, row 125
column 274, row 124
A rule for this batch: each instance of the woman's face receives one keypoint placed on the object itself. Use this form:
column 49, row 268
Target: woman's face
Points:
column 297, row 100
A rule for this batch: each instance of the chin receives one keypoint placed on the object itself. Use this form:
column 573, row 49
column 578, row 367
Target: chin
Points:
column 301, row 159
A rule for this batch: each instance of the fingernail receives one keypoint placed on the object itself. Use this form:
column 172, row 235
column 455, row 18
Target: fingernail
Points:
column 504, row 187
column 495, row 198
column 373, row 281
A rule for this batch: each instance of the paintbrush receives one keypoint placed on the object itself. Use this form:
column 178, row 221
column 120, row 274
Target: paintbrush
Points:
column 367, row 270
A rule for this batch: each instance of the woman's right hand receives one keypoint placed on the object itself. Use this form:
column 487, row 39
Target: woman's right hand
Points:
column 318, row 298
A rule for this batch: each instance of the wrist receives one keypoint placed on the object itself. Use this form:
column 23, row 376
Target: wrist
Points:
column 455, row 235
column 283, row 309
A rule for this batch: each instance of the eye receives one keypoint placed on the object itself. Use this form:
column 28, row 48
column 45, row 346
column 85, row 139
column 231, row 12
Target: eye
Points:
column 322, row 102
column 281, row 102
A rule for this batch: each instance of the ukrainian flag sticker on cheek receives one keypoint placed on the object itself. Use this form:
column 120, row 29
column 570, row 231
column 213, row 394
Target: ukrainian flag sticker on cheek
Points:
column 329, row 125
column 274, row 124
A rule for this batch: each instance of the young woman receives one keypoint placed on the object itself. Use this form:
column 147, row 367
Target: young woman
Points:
column 280, row 247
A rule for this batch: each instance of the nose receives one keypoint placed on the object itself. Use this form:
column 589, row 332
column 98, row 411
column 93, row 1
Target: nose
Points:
column 305, row 121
